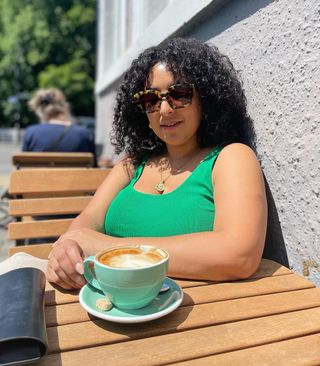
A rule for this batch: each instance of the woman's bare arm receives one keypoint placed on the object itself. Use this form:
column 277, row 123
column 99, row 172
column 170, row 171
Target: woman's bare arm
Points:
column 65, row 266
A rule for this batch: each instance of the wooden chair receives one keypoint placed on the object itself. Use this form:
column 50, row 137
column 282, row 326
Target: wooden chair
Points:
column 52, row 159
column 43, row 197
column 37, row 250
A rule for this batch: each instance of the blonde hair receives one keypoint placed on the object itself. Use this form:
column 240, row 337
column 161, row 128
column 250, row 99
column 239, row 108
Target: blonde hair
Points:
column 48, row 104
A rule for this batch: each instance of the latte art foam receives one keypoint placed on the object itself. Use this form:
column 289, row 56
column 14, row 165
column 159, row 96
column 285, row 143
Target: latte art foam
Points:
column 130, row 258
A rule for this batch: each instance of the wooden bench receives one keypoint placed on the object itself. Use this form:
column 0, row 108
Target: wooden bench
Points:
column 52, row 159
column 42, row 196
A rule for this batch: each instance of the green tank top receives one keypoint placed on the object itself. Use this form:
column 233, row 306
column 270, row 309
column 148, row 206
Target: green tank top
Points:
column 188, row 209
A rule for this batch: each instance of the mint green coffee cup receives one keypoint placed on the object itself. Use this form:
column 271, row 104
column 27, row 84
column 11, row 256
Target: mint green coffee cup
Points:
column 130, row 276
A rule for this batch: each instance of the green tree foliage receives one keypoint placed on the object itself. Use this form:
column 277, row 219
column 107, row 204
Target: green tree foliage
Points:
column 46, row 43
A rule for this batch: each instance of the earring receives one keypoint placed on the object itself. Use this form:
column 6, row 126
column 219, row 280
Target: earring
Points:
column 150, row 126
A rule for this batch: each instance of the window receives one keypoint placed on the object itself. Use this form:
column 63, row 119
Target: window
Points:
column 126, row 27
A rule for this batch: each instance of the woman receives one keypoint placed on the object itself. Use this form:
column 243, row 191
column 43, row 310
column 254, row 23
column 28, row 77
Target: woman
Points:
column 190, row 182
column 56, row 131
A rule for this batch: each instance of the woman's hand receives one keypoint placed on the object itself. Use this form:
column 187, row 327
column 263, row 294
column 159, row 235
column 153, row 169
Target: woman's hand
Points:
column 65, row 265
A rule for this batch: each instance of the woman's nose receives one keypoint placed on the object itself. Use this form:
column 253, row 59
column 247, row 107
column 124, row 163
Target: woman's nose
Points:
column 165, row 107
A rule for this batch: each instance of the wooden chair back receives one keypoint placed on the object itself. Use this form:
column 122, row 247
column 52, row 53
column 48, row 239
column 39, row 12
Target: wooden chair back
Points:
column 46, row 200
column 52, row 159
column 37, row 250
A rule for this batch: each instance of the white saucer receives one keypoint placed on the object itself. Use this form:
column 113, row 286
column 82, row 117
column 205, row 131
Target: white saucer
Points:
column 162, row 305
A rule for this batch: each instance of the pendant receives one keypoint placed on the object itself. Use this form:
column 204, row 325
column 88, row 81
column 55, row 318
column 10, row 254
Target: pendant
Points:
column 160, row 187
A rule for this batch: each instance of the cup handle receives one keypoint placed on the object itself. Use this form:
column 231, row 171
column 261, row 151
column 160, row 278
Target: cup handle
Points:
column 89, row 273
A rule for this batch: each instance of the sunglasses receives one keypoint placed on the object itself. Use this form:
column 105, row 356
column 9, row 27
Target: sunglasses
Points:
column 178, row 96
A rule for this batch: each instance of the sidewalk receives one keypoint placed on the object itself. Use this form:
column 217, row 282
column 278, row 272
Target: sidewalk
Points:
column 5, row 244
column 6, row 151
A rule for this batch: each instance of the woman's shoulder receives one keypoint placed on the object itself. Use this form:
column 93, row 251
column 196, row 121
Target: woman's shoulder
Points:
column 124, row 166
column 237, row 151
column 236, row 157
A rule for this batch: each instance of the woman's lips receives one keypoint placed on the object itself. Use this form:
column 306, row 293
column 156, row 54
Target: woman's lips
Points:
column 170, row 125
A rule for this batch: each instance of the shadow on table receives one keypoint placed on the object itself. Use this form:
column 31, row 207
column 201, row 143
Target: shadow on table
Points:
column 269, row 268
column 167, row 324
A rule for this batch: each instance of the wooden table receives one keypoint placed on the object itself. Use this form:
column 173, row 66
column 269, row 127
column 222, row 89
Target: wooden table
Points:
column 271, row 319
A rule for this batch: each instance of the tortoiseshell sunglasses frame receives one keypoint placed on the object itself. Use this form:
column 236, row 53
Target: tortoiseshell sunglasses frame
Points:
column 163, row 96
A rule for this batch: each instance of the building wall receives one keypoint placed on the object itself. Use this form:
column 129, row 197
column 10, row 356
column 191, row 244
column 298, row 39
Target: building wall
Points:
column 104, row 114
column 276, row 48
column 275, row 45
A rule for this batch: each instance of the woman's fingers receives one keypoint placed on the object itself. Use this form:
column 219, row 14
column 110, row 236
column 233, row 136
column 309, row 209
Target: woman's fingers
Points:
column 75, row 256
column 66, row 262
column 68, row 266
column 56, row 275
column 68, row 255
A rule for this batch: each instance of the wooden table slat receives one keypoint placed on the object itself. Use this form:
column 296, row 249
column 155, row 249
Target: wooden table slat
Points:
column 195, row 343
column 241, row 289
column 184, row 318
column 296, row 352
column 210, row 293
column 59, row 297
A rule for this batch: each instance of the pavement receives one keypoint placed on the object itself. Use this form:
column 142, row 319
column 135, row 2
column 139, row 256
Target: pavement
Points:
column 6, row 151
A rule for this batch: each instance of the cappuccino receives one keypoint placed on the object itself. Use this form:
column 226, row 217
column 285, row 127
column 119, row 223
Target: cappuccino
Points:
column 135, row 257
column 129, row 276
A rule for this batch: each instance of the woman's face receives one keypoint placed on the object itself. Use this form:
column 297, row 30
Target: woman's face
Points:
column 176, row 127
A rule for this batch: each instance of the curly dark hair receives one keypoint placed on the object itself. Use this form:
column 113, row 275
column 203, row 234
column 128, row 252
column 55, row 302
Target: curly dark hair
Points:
column 224, row 108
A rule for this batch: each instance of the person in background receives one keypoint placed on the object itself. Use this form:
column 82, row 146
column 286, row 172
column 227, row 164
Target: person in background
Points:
column 56, row 132
column 190, row 181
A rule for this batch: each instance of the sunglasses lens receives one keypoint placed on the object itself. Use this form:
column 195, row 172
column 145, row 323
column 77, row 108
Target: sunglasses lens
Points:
column 149, row 101
column 181, row 95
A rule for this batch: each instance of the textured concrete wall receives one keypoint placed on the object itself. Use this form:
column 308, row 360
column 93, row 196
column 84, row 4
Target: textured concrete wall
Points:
column 276, row 48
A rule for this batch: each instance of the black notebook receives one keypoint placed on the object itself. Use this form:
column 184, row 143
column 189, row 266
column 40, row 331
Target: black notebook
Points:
column 23, row 337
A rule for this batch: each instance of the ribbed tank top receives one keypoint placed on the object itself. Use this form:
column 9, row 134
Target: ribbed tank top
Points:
column 188, row 209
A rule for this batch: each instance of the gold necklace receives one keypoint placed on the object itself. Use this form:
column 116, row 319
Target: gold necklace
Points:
column 161, row 187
